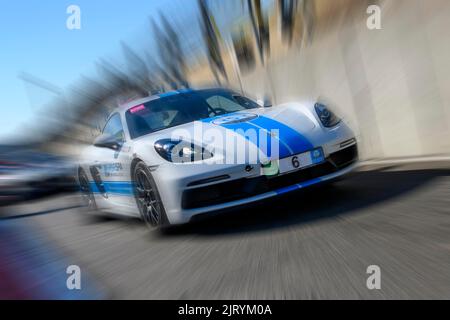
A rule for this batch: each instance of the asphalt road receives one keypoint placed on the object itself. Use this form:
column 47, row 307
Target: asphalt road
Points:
column 312, row 244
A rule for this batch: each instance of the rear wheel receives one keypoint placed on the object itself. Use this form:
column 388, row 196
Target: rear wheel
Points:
column 147, row 197
column 87, row 195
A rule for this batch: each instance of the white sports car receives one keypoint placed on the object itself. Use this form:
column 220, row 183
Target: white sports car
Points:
column 171, row 157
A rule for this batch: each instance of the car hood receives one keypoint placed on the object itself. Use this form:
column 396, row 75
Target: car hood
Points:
column 289, row 127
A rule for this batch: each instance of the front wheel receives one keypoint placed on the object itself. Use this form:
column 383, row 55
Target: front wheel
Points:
column 147, row 197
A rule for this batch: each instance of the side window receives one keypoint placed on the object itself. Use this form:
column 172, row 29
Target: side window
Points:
column 114, row 127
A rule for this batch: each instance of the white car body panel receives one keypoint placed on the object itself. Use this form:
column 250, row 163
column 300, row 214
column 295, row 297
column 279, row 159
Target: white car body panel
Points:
column 172, row 179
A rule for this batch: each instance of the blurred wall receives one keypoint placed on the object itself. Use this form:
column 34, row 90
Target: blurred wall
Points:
column 391, row 85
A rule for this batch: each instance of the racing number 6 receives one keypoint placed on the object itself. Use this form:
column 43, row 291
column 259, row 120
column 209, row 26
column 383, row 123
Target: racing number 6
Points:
column 295, row 162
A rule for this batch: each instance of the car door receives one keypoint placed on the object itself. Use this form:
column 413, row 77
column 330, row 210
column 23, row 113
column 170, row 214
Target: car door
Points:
column 111, row 170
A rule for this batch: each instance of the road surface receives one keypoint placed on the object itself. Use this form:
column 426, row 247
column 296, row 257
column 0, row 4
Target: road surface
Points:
column 313, row 244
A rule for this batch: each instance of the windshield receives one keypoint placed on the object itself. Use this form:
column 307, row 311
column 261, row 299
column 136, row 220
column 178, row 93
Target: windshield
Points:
column 180, row 108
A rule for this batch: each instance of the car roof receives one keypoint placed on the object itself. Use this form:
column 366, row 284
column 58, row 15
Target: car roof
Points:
column 125, row 107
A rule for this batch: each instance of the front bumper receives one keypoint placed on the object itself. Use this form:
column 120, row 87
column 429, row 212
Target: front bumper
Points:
column 248, row 187
column 230, row 187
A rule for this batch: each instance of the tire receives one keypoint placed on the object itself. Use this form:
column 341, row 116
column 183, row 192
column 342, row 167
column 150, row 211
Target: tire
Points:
column 148, row 200
column 86, row 192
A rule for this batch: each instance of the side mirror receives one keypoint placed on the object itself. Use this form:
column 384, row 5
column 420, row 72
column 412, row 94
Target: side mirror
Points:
column 266, row 103
column 107, row 141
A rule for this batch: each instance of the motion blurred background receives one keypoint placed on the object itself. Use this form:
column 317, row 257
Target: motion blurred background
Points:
column 59, row 85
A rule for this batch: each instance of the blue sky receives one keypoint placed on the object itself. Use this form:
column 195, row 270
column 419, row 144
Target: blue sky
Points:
column 34, row 39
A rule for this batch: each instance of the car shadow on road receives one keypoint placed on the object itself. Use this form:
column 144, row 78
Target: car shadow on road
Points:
column 361, row 190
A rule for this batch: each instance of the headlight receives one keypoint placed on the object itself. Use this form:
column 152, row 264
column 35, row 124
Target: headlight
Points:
column 179, row 151
column 326, row 116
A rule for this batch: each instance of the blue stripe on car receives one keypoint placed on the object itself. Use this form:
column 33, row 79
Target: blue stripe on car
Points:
column 114, row 187
column 168, row 94
column 185, row 90
column 291, row 141
column 265, row 146
column 298, row 186
column 295, row 142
